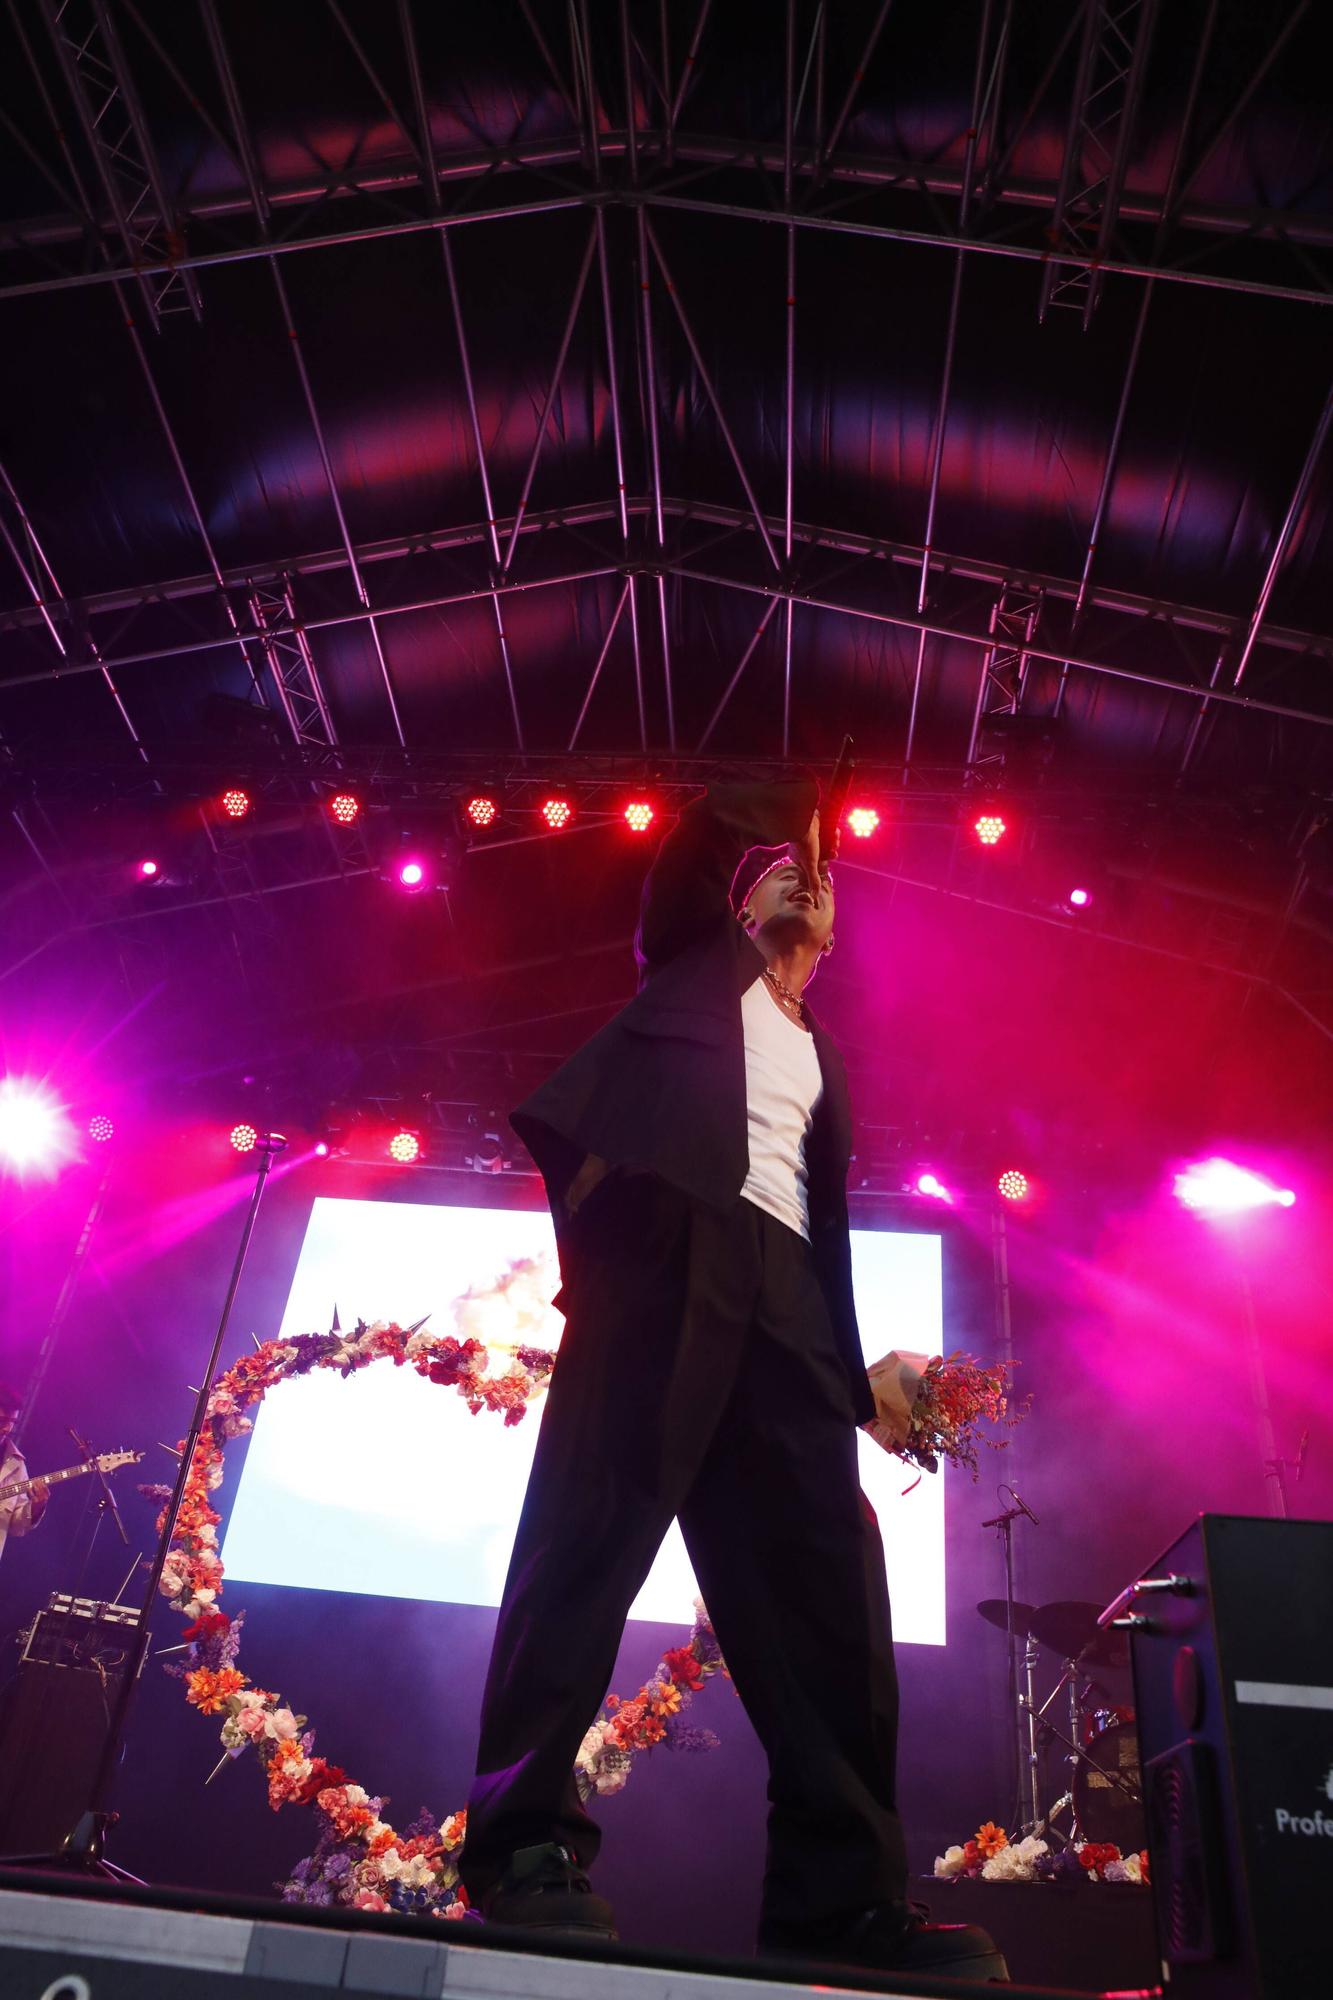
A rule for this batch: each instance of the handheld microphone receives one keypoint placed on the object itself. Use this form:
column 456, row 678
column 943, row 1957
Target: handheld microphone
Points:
column 835, row 801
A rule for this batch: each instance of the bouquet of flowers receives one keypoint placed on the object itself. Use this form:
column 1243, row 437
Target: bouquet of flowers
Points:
column 933, row 1407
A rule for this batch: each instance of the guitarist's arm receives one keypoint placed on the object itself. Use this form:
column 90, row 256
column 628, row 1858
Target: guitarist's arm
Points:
column 22, row 1512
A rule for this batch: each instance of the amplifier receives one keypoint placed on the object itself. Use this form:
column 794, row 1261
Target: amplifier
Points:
column 81, row 1632
column 1232, row 1645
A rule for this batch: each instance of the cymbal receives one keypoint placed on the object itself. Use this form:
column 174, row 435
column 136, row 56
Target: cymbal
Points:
column 1109, row 1649
column 995, row 1611
column 1067, row 1627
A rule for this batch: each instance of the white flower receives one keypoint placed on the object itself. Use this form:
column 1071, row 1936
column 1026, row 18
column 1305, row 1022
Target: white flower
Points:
column 1012, row 1864
column 590, row 1748
column 950, row 1863
column 390, row 1863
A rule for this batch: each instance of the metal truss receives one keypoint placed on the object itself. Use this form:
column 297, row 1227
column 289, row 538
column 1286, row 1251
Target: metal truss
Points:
column 110, row 117
column 1108, row 90
column 1004, row 667
column 958, row 582
column 286, row 647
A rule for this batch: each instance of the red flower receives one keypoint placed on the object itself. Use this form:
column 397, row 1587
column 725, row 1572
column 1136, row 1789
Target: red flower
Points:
column 210, row 1622
column 683, row 1667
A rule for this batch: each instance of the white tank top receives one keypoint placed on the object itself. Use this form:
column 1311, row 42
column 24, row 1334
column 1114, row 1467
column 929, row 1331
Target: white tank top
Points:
column 782, row 1087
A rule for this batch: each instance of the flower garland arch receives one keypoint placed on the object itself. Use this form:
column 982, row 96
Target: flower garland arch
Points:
column 360, row 1859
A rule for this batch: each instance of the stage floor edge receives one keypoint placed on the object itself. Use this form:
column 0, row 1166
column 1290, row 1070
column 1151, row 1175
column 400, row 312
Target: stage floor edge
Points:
column 76, row 1936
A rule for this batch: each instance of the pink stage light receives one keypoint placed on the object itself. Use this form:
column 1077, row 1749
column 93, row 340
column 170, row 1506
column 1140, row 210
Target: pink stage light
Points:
column 321, row 1149
column 344, row 807
column 990, row 828
column 482, row 810
column 147, row 869
column 639, row 815
column 931, row 1184
column 862, row 821
column 1013, row 1186
column 244, row 1138
column 34, row 1131
column 405, row 1147
column 235, row 803
column 1220, row 1187
column 557, row 811
column 100, row 1128
column 1080, row 898
column 411, row 874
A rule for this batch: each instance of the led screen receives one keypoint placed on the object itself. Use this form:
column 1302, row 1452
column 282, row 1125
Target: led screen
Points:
column 386, row 1484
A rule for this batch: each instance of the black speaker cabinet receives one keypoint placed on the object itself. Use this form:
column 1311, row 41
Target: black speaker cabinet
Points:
column 1232, row 1642
column 54, row 1715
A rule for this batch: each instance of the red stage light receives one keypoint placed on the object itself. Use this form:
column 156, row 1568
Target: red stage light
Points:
column 557, row 811
column 1013, row 1185
column 100, row 1128
column 235, row 802
column 482, row 810
column 244, row 1138
column 639, row 815
column 344, row 808
column 405, row 1147
column 411, row 874
column 990, row 828
column 862, row 821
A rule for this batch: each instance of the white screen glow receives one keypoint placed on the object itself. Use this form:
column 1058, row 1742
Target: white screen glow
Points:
column 386, row 1485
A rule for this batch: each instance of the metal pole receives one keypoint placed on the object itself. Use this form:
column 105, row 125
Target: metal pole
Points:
column 713, row 397
column 1285, row 533
column 85, row 1842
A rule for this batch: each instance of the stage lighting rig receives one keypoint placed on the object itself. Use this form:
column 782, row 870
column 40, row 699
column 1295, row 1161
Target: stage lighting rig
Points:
column 344, row 808
column 420, row 851
column 479, row 809
column 557, row 810
column 405, row 1148
column 488, row 1155
column 236, row 802
column 639, row 814
column 861, row 821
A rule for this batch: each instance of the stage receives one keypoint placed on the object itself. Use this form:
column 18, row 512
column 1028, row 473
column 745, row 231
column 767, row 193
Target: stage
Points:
column 150, row 1945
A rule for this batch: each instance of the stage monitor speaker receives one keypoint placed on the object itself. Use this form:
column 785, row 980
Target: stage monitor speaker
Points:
column 1232, row 1642
column 53, row 1718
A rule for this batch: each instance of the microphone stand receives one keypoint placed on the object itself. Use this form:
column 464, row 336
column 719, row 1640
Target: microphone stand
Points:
column 107, row 1503
column 1021, row 1706
column 83, row 1846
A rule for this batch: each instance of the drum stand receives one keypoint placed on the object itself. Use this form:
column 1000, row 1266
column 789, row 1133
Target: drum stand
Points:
column 1075, row 1754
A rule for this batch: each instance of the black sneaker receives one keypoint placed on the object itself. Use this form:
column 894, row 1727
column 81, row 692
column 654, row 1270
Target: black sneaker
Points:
column 894, row 1937
column 544, row 1889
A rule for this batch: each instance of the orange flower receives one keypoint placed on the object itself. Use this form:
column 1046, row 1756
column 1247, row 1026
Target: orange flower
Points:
column 991, row 1838
column 208, row 1691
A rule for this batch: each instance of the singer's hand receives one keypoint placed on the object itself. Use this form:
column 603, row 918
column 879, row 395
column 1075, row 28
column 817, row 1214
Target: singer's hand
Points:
column 807, row 856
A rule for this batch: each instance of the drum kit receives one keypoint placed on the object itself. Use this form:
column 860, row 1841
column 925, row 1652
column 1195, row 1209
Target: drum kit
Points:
column 1103, row 1792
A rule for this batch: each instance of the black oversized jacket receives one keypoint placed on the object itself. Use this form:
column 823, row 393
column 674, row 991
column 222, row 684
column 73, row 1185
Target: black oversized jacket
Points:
column 661, row 1087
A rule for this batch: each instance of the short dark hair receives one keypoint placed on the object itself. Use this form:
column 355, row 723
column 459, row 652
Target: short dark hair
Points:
column 10, row 1398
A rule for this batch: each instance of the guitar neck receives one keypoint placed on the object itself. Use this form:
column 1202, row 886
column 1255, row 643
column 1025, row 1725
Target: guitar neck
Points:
column 14, row 1486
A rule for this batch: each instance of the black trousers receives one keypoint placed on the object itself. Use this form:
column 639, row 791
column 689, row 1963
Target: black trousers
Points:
column 698, row 1378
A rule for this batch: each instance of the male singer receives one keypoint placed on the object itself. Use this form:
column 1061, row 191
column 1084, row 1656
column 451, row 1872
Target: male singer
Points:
column 695, row 1153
